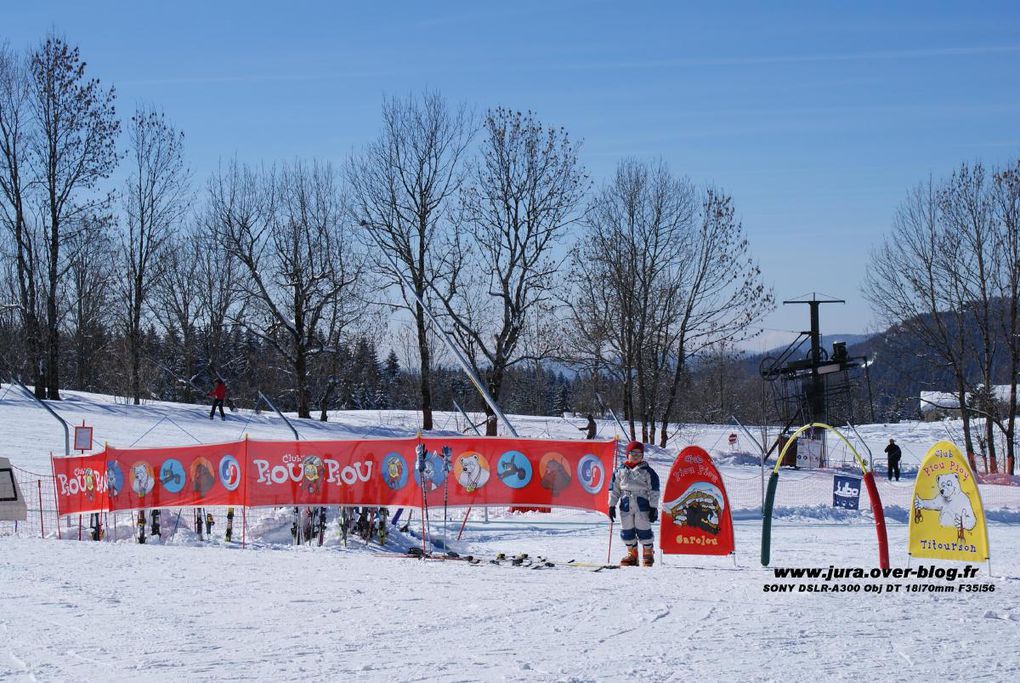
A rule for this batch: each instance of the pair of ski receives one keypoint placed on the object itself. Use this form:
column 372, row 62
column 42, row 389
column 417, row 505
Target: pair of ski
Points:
column 522, row 560
column 308, row 525
column 370, row 524
column 155, row 525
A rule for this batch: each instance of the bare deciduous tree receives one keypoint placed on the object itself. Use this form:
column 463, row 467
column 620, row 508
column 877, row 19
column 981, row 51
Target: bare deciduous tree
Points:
column 90, row 280
column 289, row 232
column 658, row 276
column 74, row 148
column 1006, row 205
column 913, row 280
column 521, row 198
column 403, row 185
column 155, row 199
column 16, row 180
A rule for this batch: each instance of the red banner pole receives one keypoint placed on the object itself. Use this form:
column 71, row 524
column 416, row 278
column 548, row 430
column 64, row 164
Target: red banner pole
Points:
column 244, row 494
column 56, row 498
column 79, row 527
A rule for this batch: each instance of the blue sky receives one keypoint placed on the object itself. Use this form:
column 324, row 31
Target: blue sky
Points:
column 817, row 118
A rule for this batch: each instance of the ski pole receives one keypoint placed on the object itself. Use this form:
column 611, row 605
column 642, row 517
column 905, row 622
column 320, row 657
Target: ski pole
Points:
column 464, row 523
column 447, row 454
column 609, row 553
column 419, row 451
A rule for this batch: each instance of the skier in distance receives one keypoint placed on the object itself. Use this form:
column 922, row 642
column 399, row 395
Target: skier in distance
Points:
column 218, row 395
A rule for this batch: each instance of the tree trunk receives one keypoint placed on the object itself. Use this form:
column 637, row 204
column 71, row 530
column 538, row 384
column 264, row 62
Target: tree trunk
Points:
column 965, row 413
column 673, row 388
column 301, row 375
column 425, row 378
column 495, row 386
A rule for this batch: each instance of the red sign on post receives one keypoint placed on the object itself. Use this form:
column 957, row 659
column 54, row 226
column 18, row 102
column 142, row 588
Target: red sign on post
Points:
column 696, row 516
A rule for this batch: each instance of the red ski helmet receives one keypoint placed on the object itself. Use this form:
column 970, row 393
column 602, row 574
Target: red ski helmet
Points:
column 636, row 447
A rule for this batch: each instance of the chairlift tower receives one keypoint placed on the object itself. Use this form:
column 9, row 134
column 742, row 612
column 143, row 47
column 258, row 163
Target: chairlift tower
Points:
column 815, row 386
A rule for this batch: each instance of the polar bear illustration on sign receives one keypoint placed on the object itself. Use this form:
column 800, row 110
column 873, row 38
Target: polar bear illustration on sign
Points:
column 472, row 474
column 953, row 505
column 143, row 481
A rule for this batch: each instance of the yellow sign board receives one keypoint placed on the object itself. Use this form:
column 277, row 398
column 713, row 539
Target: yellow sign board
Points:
column 947, row 520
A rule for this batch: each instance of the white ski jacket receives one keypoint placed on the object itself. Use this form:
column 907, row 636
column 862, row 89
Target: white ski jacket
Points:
column 637, row 485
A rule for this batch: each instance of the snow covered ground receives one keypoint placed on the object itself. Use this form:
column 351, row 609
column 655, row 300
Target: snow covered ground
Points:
column 187, row 610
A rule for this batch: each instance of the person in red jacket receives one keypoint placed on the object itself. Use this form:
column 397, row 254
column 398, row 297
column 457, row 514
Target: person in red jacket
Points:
column 218, row 395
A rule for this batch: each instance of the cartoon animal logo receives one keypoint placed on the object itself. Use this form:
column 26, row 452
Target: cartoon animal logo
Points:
column 954, row 507
column 114, row 477
column 172, row 476
column 90, row 484
column 142, row 479
column 514, row 469
column 433, row 474
column 202, row 477
column 699, row 507
column 472, row 471
column 312, row 469
column 555, row 472
column 394, row 470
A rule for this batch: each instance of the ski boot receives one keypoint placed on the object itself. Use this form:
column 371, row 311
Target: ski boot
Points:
column 647, row 556
column 630, row 559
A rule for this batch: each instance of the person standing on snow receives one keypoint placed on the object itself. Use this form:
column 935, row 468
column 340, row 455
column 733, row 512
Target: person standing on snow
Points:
column 590, row 429
column 218, row 395
column 894, row 453
column 635, row 487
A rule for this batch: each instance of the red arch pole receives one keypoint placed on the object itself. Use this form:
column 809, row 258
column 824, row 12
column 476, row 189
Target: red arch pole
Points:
column 879, row 513
column 869, row 482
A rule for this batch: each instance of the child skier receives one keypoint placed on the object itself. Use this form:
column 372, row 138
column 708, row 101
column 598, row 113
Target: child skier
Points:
column 635, row 487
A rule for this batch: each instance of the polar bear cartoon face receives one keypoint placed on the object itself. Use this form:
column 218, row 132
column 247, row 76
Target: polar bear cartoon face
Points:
column 954, row 507
column 472, row 474
column 143, row 481
column 949, row 486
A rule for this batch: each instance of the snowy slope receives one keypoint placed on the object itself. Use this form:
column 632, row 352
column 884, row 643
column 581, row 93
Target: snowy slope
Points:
column 191, row 611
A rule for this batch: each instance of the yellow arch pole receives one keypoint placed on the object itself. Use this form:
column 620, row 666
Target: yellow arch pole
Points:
column 869, row 482
column 796, row 435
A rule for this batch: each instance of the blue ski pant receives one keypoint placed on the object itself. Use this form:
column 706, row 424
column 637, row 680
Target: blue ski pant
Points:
column 634, row 524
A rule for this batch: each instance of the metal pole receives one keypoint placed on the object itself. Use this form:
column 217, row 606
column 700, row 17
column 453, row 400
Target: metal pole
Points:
column 284, row 417
column 468, row 513
column 63, row 422
column 761, row 466
column 623, row 430
column 472, row 424
column 445, row 336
